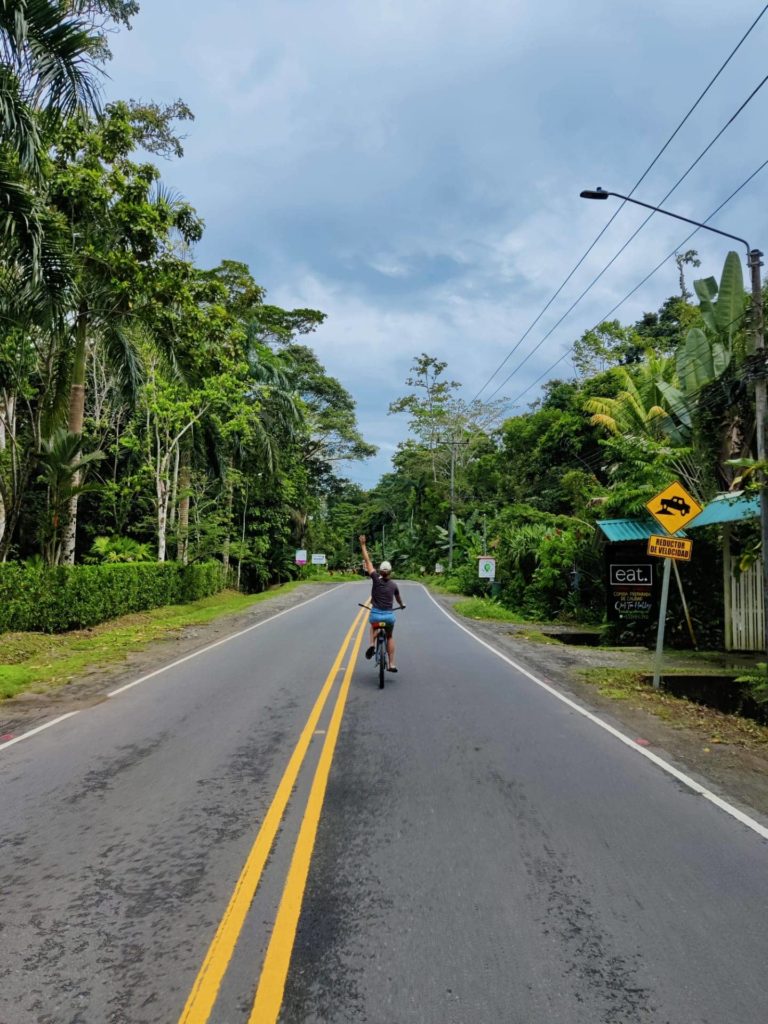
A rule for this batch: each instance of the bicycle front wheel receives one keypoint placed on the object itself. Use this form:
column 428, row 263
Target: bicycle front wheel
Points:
column 382, row 660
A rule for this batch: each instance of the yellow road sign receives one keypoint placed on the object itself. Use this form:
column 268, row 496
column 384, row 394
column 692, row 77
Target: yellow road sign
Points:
column 673, row 508
column 670, row 547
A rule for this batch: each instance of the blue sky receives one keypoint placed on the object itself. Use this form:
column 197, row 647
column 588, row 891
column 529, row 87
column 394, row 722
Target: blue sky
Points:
column 413, row 167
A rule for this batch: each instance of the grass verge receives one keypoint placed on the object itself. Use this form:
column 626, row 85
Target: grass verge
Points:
column 714, row 726
column 40, row 661
column 486, row 608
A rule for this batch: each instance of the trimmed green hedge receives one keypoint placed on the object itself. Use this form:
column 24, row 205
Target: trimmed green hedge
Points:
column 73, row 597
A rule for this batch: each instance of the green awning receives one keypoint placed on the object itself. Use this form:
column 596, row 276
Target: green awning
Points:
column 728, row 508
column 628, row 529
column 725, row 508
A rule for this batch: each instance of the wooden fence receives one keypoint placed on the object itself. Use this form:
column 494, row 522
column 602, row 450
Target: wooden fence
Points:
column 744, row 606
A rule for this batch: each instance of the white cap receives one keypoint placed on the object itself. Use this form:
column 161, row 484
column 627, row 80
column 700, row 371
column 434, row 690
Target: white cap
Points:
column 385, row 567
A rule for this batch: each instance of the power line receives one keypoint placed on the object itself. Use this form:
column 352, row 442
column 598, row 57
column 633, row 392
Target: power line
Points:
column 631, row 238
column 622, row 205
column 596, row 460
column 639, row 285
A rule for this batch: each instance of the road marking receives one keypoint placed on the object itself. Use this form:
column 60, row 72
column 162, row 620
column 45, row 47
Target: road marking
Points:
column 218, row 643
column 269, row 994
column 208, row 981
column 670, row 769
column 37, row 729
column 172, row 664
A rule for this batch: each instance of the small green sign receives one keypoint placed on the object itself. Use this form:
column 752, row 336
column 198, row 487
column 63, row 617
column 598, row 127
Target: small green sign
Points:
column 486, row 569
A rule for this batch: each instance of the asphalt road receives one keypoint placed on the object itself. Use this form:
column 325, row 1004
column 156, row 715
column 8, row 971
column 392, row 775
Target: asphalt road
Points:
column 259, row 833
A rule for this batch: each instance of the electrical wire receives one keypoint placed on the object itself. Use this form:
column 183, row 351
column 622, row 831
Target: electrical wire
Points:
column 631, row 238
column 618, row 210
column 632, row 291
column 596, row 461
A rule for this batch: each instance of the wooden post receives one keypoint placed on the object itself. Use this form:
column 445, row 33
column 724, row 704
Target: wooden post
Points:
column 685, row 605
column 727, row 587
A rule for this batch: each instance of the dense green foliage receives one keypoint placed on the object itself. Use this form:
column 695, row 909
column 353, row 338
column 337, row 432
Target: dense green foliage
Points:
column 58, row 598
column 663, row 399
column 149, row 408
column 153, row 409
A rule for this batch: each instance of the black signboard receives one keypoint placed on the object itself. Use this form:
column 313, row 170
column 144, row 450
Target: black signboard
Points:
column 630, row 577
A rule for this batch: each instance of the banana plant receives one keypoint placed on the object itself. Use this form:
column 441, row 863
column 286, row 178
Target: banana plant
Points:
column 705, row 355
column 722, row 306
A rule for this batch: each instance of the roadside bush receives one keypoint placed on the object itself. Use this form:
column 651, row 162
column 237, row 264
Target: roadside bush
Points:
column 53, row 600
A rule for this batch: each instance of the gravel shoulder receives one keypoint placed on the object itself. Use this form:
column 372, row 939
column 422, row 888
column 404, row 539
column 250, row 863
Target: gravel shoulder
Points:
column 723, row 752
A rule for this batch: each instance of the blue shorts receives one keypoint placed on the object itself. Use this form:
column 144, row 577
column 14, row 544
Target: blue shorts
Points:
column 377, row 615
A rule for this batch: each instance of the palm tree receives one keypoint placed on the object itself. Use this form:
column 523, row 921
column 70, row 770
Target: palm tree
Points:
column 638, row 407
column 47, row 70
column 276, row 422
column 62, row 470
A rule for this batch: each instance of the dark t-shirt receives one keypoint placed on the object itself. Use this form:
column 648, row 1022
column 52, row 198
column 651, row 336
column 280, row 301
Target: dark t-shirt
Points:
column 383, row 592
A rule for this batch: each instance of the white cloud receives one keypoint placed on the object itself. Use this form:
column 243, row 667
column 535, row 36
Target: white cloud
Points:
column 412, row 167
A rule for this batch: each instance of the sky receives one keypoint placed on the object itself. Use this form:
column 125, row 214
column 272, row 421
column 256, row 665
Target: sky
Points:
column 412, row 168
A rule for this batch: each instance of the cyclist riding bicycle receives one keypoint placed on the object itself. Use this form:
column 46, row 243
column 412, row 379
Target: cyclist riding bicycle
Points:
column 384, row 593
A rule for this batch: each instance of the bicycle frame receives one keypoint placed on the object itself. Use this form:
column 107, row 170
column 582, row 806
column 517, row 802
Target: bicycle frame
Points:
column 380, row 655
column 381, row 658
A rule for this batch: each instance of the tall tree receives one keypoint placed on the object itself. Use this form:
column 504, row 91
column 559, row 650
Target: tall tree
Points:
column 122, row 226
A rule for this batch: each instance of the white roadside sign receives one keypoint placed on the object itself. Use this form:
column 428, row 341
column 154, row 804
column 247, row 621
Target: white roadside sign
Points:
column 318, row 559
column 486, row 568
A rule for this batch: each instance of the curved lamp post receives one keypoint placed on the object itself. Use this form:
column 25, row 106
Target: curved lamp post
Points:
column 754, row 262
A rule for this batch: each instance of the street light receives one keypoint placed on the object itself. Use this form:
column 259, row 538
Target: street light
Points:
column 600, row 193
column 754, row 262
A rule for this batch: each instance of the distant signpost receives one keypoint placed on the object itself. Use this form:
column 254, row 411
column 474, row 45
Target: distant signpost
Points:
column 301, row 556
column 318, row 559
column 486, row 568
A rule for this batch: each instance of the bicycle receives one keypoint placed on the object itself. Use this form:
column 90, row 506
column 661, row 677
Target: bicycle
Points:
column 380, row 656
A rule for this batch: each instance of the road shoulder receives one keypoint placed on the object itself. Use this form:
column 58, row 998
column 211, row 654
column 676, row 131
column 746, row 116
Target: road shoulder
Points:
column 29, row 709
column 706, row 747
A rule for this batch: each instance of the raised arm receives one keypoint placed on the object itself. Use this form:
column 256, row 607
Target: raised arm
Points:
column 366, row 557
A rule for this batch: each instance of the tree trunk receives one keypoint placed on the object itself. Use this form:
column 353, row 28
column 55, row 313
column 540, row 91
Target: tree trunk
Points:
column 242, row 538
column 174, row 490
column 185, row 465
column 17, row 472
column 225, row 545
column 161, row 491
column 6, row 428
column 75, row 426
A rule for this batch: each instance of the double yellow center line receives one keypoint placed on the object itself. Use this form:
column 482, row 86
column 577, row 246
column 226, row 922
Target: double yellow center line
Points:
column 269, row 994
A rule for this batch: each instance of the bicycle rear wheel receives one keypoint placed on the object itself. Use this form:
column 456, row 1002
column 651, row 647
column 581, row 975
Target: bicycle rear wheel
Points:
column 381, row 645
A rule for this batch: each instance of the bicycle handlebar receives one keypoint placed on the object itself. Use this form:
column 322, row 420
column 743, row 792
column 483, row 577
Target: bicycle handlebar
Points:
column 400, row 608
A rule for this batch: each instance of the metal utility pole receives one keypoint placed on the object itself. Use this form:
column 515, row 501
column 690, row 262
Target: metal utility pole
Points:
column 454, row 444
column 754, row 263
column 452, row 517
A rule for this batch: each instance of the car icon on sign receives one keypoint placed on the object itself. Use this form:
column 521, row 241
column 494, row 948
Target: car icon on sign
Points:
column 675, row 504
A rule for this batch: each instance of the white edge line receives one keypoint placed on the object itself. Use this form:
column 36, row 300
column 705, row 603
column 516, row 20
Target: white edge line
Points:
column 172, row 664
column 734, row 812
column 39, row 728
column 218, row 643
